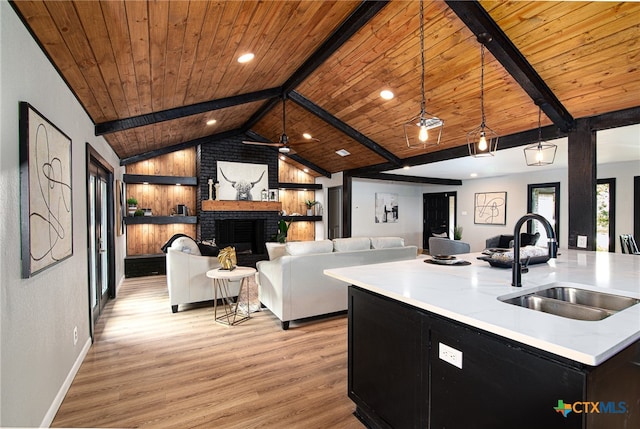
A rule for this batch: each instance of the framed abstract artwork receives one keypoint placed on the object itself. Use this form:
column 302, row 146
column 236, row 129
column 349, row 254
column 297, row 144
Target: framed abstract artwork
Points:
column 46, row 217
column 386, row 207
column 490, row 208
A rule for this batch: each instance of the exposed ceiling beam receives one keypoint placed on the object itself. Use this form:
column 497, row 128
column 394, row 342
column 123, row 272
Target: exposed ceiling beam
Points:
column 181, row 112
column 476, row 18
column 506, row 142
column 619, row 118
column 300, row 160
column 345, row 128
column 349, row 27
column 354, row 22
column 185, row 145
column 409, row 179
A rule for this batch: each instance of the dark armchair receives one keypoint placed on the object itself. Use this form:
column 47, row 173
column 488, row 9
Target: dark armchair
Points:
column 505, row 241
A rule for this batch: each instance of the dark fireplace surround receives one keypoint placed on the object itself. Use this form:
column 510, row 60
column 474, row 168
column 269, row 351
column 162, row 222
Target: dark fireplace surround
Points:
column 247, row 231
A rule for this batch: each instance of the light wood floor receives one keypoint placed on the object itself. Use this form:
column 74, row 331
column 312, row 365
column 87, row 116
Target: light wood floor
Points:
column 151, row 368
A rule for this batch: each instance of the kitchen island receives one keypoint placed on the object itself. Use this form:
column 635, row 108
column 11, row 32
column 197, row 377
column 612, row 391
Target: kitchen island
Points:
column 434, row 346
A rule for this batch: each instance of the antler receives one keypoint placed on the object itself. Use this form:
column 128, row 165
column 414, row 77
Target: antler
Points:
column 233, row 183
column 252, row 183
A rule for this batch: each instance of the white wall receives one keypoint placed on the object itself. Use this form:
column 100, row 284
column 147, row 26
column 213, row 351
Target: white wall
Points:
column 409, row 225
column 37, row 315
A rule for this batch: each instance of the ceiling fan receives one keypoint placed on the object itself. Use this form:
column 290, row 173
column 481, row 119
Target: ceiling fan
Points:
column 283, row 144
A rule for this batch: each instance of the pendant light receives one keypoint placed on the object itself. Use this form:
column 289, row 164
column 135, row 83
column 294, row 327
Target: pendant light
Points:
column 416, row 129
column 541, row 153
column 482, row 141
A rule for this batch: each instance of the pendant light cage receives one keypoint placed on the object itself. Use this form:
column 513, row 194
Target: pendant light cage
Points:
column 419, row 131
column 541, row 153
column 482, row 140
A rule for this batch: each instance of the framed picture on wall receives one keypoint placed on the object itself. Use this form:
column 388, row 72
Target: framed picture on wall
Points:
column 273, row 195
column 386, row 207
column 490, row 208
column 45, row 193
column 241, row 181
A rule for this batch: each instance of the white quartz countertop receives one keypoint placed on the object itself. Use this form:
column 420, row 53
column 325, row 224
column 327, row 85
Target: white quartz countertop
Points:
column 469, row 294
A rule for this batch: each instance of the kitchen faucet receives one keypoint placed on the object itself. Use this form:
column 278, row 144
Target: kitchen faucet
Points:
column 516, row 269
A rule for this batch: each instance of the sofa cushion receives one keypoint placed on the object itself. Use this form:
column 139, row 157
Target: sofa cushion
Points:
column 186, row 245
column 308, row 247
column 505, row 241
column 275, row 250
column 386, row 242
column 351, row 244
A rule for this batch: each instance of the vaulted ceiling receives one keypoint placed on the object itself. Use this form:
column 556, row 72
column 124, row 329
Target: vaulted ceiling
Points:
column 151, row 73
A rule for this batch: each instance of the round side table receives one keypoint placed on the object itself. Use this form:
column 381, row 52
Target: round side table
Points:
column 221, row 280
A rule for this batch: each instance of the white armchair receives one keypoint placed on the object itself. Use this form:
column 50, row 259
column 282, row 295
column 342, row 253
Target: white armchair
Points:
column 187, row 280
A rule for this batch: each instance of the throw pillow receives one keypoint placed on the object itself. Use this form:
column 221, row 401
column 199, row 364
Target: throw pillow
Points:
column 207, row 250
column 308, row 247
column 386, row 242
column 351, row 244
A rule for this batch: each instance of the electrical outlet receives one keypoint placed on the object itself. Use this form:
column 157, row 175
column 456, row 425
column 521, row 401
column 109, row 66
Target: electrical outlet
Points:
column 75, row 335
column 582, row 241
column 450, row 355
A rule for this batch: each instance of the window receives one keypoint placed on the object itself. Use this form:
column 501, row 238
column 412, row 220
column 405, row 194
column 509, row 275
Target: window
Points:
column 544, row 199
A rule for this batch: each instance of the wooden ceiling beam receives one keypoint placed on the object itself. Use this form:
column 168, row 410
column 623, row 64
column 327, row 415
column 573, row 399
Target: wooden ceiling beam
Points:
column 185, row 145
column 408, row 179
column 181, row 112
column 358, row 18
column 350, row 26
column 476, row 18
column 303, row 102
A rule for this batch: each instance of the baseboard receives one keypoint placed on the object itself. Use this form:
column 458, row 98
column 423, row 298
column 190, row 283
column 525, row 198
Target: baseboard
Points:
column 57, row 401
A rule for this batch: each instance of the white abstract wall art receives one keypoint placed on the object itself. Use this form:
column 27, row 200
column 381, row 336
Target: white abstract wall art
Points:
column 386, row 207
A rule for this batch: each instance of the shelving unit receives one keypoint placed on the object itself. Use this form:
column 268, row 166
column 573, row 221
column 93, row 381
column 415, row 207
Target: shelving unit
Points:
column 159, row 220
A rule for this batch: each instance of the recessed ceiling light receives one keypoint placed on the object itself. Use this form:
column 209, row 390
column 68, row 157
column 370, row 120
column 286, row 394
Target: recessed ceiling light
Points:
column 282, row 157
column 473, row 175
column 306, row 170
column 307, row 136
column 211, row 122
column 406, row 167
column 245, row 58
column 343, row 152
column 386, row 94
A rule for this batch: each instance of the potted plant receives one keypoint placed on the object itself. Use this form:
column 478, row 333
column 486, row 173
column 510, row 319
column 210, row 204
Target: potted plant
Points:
column 138, row 212
column 132, row 203
column 310, row 204
column 457, row 233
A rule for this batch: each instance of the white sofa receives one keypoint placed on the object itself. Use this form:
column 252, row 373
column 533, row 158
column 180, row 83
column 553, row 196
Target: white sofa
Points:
column 186, row 274
column 293, row 286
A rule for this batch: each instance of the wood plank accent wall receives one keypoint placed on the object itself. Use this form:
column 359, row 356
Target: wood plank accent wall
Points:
column 293, row 201
column 147, row 239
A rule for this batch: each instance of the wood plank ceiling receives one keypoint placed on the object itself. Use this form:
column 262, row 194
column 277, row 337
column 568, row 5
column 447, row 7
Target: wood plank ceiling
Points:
column 150, row 74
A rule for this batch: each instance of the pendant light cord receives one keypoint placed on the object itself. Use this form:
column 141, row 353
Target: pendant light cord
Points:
column 482, row 84
column 539, row 128
column 423, row 104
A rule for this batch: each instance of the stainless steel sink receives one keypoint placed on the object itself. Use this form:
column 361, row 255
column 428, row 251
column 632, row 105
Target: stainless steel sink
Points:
column 590, row 298
column 572, row 302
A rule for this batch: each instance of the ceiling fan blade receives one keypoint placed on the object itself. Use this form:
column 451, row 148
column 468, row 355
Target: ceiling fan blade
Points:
column 262, row 143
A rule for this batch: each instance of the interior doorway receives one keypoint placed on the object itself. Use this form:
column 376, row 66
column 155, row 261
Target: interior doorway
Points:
column 100, row 226
column 606, row 215
column 544, row 199
column 334, row 212
column 439, row 216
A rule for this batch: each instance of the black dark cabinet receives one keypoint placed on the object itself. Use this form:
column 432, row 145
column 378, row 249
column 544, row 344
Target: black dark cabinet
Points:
column 386, row 357
column 409, row 368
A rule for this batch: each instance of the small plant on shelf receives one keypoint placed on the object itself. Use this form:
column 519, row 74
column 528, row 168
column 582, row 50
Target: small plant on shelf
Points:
column 310, row 204
column 133, row 205
column 138, row 212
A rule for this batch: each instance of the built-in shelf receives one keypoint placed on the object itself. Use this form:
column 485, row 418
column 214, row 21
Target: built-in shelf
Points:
column 239, row 206
column 302, row 218
column 159, row 220
column 309, row 186
column 160, row 180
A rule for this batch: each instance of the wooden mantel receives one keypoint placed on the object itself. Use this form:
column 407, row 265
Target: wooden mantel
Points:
column 239, row 206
